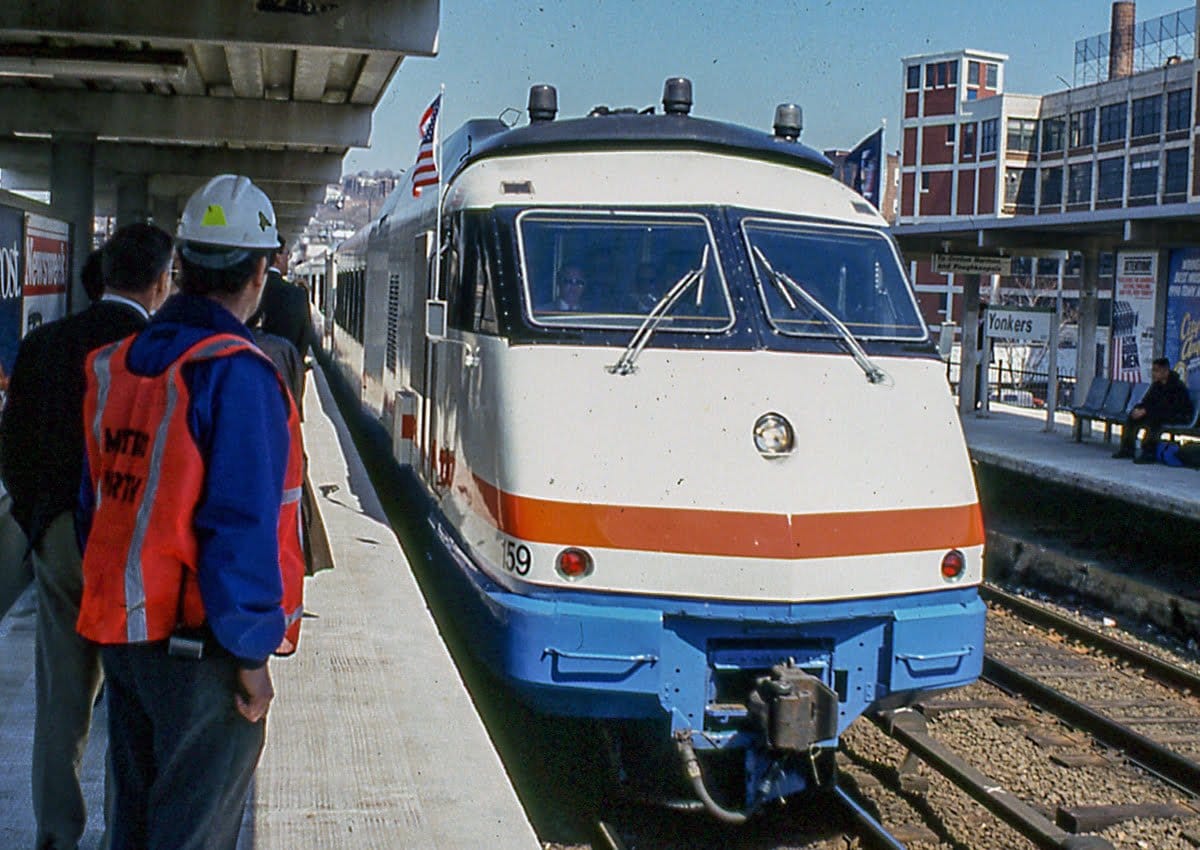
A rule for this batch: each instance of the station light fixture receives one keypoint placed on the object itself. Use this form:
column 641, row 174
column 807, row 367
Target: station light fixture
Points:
column 38, row 62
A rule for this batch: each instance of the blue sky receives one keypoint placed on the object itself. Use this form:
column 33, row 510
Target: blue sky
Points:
column 840, row 61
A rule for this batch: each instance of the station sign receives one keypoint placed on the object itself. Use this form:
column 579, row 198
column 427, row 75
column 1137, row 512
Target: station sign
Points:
column 971, row 264
column 1018, row 324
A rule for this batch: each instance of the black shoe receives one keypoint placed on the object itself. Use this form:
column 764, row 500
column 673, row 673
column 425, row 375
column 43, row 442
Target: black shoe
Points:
column 1123, row 453
column 1145, row 458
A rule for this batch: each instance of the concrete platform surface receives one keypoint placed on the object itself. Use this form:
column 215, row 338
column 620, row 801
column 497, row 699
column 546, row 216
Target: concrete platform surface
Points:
column 373, row 740
column 1013, row 439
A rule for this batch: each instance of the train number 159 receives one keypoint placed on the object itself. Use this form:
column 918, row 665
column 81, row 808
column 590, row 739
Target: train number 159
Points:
column 517, row 558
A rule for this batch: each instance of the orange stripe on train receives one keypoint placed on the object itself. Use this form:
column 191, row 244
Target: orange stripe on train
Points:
column 742, row 534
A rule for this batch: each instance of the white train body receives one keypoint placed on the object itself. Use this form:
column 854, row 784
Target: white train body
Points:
column 693, row 548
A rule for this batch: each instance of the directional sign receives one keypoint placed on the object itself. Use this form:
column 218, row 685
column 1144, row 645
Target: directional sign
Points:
column 971, row 264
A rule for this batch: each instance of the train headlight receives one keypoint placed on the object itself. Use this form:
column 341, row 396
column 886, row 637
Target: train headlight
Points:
column 574, row 564
column 773, row 435
column 954, row 564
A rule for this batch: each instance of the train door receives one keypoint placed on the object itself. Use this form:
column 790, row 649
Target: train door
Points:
column 424, row 360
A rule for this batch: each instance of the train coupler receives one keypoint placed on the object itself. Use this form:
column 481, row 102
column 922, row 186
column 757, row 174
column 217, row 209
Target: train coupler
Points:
column 793, row 710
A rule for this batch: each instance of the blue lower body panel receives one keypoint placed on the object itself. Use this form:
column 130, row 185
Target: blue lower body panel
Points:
column 695, row 662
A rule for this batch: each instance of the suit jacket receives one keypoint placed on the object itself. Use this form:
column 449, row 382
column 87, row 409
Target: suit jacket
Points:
column 41, row 432
column 285, row 312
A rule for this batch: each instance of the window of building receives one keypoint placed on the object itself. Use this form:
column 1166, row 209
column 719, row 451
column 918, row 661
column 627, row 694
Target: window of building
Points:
column 951, row 130
column 992, row 75
column 987, row 135
column 1112, row 123
column 1052, row 134
column 1143, row 175
column 940, row 75
column 972, row 94
column 1175, row 178
column 925, row 182
column 1022, row 134
column 1179, row 109
column 1052, row 186
column 1146, row 116
column 972, row 73
column 1079, row 183
column 1019, row 186
column 966, row 147
column 1110, row 185
column 1083, row 128
column 913, row 80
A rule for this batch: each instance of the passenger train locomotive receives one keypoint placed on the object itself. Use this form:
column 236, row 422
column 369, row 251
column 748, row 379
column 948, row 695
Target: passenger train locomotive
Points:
column 685, row 439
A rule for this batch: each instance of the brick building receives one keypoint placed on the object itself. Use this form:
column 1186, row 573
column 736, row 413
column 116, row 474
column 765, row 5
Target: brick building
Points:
column 1084, row 154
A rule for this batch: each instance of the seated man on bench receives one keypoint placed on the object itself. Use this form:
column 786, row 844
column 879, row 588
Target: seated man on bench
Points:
column 1166, row 401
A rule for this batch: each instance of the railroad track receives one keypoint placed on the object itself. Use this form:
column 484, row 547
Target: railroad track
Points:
column 834, row 819
column 1125, row 699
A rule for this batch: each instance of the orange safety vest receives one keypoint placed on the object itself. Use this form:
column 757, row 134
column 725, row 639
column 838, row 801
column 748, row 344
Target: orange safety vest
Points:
column 147, row 475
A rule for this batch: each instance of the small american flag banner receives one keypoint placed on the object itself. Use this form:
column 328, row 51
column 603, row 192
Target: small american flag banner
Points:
column 425, row 171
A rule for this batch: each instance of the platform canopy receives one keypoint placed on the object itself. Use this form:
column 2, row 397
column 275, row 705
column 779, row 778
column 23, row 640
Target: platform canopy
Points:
column 153, row 97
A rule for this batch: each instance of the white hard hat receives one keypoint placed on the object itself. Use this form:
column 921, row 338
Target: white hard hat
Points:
column 228, row 212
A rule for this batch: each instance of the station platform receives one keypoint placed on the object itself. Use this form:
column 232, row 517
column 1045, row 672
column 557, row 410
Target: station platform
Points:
column 383, row 747
column 1014, row 439
column 1151, row 581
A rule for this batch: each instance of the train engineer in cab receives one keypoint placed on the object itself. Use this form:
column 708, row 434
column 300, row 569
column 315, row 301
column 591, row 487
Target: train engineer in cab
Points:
column 192, row 568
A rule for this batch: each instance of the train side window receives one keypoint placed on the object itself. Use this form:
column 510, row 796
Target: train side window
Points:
column 458, row 299
column 485, row 302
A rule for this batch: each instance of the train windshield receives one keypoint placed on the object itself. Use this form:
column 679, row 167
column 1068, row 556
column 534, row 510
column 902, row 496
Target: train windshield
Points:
column 609, row 269
column 854, row 273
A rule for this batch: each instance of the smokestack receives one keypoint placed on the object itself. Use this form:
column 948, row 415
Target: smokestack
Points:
column 1120, row 44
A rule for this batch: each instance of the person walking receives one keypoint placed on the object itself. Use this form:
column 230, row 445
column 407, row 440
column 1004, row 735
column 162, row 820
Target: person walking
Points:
column 41, row 453
column 193, row 572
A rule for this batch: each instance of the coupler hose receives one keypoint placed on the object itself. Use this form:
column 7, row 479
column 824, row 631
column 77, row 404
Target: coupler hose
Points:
column 691, row 769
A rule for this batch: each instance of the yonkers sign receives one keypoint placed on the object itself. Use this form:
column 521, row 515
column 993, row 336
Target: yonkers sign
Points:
column 1017, row 324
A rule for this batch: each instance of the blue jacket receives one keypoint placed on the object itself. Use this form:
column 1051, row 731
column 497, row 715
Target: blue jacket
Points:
column 238, row 417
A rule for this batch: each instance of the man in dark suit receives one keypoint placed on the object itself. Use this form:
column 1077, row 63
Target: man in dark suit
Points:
column 41, row 454
column 285, row 312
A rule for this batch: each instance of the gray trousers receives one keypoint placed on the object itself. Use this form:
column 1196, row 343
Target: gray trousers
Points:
column 182, row 757
column 68, row 679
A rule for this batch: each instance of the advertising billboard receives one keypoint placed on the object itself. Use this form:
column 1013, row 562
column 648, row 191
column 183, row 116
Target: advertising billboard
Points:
column 47, row 270
column 1182, row 342
column 12, row 222
column 1133, row 331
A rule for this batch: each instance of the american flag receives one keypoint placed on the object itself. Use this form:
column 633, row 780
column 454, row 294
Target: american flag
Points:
column 425, row 171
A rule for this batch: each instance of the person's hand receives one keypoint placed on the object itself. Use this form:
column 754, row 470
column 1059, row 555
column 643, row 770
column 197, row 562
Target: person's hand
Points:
column 256, row 693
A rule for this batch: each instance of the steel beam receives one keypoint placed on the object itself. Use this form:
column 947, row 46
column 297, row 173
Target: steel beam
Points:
column 33, row 157
column 279, row 193
column 201, row 120
column 397, row 26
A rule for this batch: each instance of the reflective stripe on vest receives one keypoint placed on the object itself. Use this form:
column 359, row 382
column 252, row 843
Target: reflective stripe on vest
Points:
column 99, row 613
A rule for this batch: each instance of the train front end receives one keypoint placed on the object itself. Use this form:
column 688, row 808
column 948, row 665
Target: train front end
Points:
column 706, row 474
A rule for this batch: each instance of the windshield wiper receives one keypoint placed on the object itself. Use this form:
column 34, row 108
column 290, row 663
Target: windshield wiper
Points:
column 625, row 365
column 785, row 285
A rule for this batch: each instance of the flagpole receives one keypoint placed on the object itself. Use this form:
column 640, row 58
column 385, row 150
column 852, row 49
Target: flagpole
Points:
column 437, row 162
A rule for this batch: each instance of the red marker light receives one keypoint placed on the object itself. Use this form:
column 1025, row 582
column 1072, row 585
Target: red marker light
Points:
column 953, row 564
column 574, row 563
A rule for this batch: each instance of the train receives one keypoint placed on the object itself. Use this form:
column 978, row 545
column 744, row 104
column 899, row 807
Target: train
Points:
column 686, row 446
